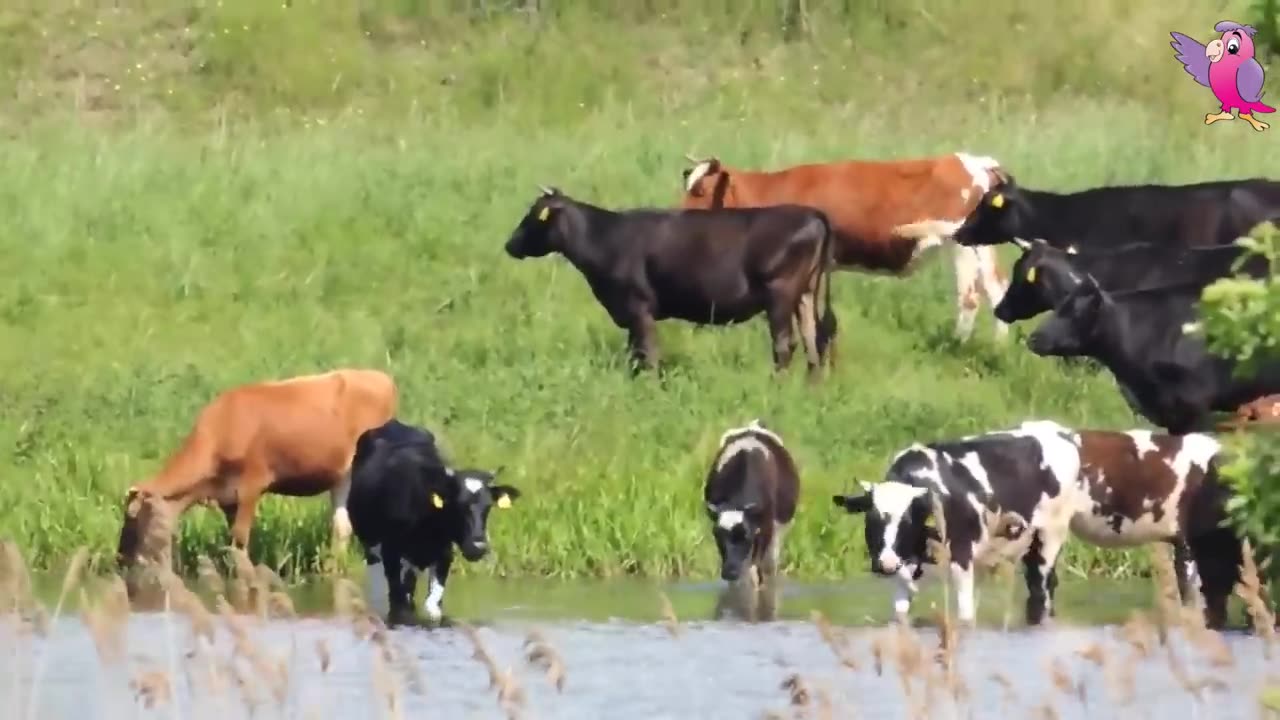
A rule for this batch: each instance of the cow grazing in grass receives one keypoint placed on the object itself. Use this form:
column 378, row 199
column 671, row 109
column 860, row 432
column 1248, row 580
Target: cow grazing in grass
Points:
column 1022, row 492
column 1263, row 410
column 886, row 215
column 1146, row 339
column 409, row 508
column 1206, row 213
column 706, row 266
column 751, row 492
column 1043, row 276
column 291, row 437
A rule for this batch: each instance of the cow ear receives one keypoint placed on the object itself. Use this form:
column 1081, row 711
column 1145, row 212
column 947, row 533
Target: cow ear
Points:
column 853, row 505
column 504, row 495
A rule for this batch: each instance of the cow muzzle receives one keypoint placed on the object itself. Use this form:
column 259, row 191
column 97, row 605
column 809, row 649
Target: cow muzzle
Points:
column 888, row 563
column 474, row 550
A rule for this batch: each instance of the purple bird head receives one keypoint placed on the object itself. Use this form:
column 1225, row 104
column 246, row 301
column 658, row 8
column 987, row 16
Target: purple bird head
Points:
column 1235, row 47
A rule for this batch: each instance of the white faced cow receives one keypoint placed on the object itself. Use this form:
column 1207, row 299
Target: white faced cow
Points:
column 751, row 492
column 1022, row 492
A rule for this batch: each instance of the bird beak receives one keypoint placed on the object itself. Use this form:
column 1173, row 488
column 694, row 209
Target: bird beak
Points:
column 1213, row 50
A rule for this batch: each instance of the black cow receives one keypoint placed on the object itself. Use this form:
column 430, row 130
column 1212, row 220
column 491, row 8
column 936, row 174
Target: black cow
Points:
column 704, row 266
column 408, row 509
column 751, row 492
column 1145, row 338
column 1207, row 213
column 1044, row 275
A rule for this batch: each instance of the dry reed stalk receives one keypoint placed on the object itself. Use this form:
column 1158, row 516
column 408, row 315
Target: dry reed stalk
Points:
column 106, row 617
column 797, row 690
column 1168, row 601
column 208, row 576
column 152, row 688
column 878, row 652
column 1249, row 589
column 322, row 651
column 510, row 695
column 1007, row 578
column 669, row 619
column 833, row 640
column 1139, row 633
column 1009, row 697
column 1061, row 678
column 70, row 581
column 540, row 653
column 385, row 687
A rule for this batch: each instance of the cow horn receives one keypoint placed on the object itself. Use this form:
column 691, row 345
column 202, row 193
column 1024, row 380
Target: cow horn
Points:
column 1022, row 243
column 546, row 190
column 691, row 158
column 498, row 472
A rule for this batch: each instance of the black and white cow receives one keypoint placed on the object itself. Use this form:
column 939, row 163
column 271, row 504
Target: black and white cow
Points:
column 1023, row 492
column 408, row 509
column 751, row 492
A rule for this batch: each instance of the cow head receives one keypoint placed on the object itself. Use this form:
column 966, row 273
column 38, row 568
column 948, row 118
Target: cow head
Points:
column 899, row 524
column 1002, row 215
column 706, row 184
column 540, row 232
column 466, row 496
column 1074, row 324
column 145, row 534
column 1040, row 277
column 735, row 527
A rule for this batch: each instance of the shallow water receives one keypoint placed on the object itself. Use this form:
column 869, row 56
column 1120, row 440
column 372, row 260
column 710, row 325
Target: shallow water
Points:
column 620, row 663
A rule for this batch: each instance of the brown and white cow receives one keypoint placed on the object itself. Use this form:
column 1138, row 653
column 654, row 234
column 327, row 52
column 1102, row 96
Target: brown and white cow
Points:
column 886, row 215
column 292, row 437
column 1022, row 492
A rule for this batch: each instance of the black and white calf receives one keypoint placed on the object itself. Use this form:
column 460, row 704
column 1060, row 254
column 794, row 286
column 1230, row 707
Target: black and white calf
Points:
column 751, row 492
column 1022, row 492
column 408, row 509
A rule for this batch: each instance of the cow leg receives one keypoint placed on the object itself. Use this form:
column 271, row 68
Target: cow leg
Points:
column 377, row 582
column 966, row 599
column 245, row 508
column 1217, row 555
column 341, row 518
column 437, row 575
column 642, row 342
column 903, row 591
column 402, row 581
column 784, row 344
column 807, row 320
column 993, row 285
column 1184, row 568
column 1041, row 576
column 967, row 266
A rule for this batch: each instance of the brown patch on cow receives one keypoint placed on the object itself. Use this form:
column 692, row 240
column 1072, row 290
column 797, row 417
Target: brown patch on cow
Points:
column 865, row 200
column 1148, row 480
column 289, row 437
column 1263, row 410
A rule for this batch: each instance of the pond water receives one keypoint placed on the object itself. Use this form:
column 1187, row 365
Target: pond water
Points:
column 621, row 660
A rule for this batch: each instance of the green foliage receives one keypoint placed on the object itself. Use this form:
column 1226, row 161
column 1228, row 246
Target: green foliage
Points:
column 1265, row 15
column 232, row 213
column 1241, row 319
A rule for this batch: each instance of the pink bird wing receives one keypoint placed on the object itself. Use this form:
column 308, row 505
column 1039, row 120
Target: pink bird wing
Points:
column 1190, row 53
column 1249, row 80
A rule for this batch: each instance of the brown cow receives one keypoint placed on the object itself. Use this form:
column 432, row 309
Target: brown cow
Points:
column 292, row 437
column 1265, row 410
column 886, row 215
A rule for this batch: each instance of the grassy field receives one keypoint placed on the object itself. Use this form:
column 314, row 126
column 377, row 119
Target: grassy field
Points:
column 197, row 195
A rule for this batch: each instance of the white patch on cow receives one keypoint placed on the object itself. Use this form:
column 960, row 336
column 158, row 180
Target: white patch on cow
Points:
column 1142, row 442
column 747, row 440
column 903, row 590
column 1190, row 327
column 973, row 464
column 730, row 519
column 980, row 167
column 992, row 286
column 338, row 502
column 473, row 485
column 743, row 444
column 965, row 194
column 435, row 594
column 696, row 174
column 1197, row 451
column 966, row 600
column 752, row 427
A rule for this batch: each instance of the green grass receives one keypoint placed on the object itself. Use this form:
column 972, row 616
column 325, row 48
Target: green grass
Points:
column 240, row 214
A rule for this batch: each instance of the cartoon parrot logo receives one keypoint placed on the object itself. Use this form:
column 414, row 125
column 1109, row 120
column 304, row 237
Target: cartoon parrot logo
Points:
column 1227, row 67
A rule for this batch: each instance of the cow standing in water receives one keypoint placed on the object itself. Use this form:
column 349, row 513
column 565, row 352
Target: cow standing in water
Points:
column 1020, row 493
column 291, row 437
column 751, row 491
column 409, row 508
column 886, row 216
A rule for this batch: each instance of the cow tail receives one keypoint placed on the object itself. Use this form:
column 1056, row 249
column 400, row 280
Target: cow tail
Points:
column 826, row 331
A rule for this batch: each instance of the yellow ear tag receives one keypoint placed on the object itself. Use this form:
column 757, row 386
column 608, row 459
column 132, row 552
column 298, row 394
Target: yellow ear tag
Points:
column 929, row 522
column 1031, row 274
column 997, row 201
column 504, row 501
column 437, row 500
column 546, row 213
